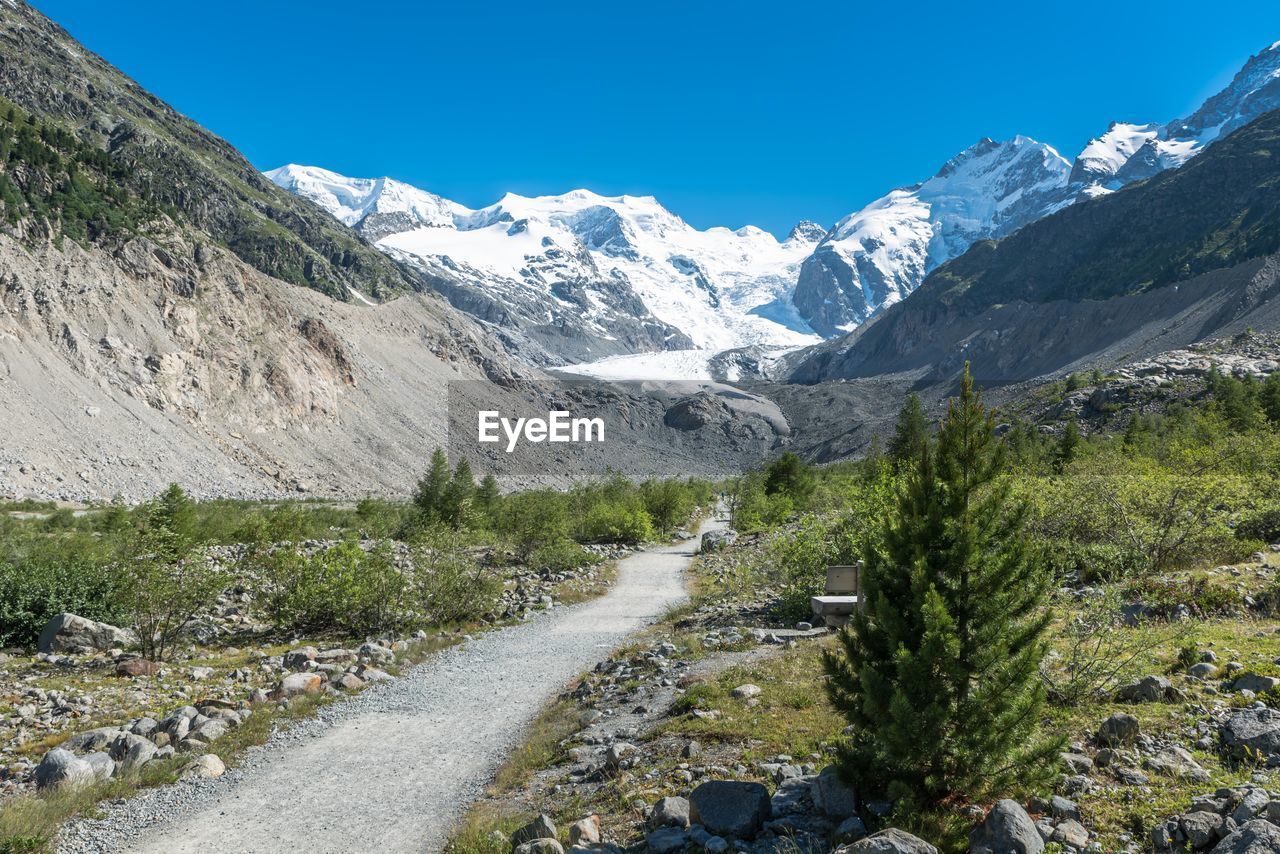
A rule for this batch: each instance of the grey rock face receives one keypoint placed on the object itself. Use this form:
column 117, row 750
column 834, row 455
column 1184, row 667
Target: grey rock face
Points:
column 832, row 797
column 1256, row 729
column 1255, row 837
column 72, row 633
column 891, row 841
column 1148, row 689
column 1007, row 830
column 1255, row 683
column 730, row 808
column 541, row 827
column 61, row 767
column 667, row 840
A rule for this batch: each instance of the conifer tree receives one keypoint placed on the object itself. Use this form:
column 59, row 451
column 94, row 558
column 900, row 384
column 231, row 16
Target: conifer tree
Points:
column 429, row 496
column 1068, row 445
column 910, row 434
column 456, row 501
column 939, row 676
column 486, row 497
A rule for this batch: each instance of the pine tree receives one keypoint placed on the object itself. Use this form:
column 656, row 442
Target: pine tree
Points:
column 939, row 676
column 1068, row 445
column 910, row 434
column 455, row 504
column 429, row 497
column 487, row 497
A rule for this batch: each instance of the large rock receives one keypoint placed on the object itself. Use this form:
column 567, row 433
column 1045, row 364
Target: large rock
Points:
column 104, row 767
column 296, row 684
column 61, row 768
column 891, row 841
column 1007, row 830
column 1149, row 689
column 669, row 812
column 1118, row 729
column 716, row 540
column 207, row 766
column 832, row 797
column 132, row 751
column 1255, row 683
column 1202, row 829
column 1255, row 837
column 73, row 633
column 541, row 827
column 540, row 846
column 667, row 840
column 1255, row 729
column 1174, row 761
column 730, row 808
column 135, row 667
column 586, row 831
column 94, row 739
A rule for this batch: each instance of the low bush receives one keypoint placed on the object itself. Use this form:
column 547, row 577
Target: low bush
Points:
column 561, row 557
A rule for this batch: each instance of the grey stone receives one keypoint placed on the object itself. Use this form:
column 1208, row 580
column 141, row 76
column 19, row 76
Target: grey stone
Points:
column 73, row 633
column 1203, row 670
column 541, row 827
column 1256, row 837
column 1118, row 729
column 1255, row 683
column 670, row 812
column 1071, row 833
column 104, row 767
column 730, row 808
column 585, row 831
column 1202, row 829
column 832, row 797
column 60, row 768
column 667, row 840
column 1175, row 761
column 793, row 796
column 540, row 846
column 1007, row 829
column 132, row 751
column 94, row 739
column 1253, row 802
column 850, row 830
column 1148, row 689
column 1061, row 807
column 1255, row 729
column 1077, row 763
column 891, row 841
column 301, row 658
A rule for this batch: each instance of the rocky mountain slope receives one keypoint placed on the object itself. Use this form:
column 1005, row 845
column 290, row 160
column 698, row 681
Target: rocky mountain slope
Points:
column 152, row 328
column 879, row 254
column 1181, row 257
column 579, row 277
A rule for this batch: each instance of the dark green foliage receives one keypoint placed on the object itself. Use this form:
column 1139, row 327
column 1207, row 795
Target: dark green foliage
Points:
column 1263, row 525
column 486, row 499
column 442, row 498
column 560, row 557
column 910, row 434
column 790, row 476
column 939, row 678
column 1068, row 445
column 38, row 587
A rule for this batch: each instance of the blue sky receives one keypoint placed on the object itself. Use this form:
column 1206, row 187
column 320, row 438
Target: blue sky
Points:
column 730, row 113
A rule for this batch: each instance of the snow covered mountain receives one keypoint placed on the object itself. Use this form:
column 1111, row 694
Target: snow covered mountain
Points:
column 580, row 276
column 1127, row 153
column 876, row 256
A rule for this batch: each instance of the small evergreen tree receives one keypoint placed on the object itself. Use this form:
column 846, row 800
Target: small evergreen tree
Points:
column 910, row 434
column 939, row 676
column 486, row 498
column 1068, row 445
column 455, row 503
column 429, row 497
column 790, row 476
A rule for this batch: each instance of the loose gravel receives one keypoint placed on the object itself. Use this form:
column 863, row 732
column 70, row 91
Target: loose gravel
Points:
column 395, row 767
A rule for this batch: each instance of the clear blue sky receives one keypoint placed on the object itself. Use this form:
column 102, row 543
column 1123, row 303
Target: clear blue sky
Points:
column 730, row 113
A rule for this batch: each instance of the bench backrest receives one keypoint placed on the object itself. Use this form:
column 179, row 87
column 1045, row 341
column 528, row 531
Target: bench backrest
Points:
column 844, row 580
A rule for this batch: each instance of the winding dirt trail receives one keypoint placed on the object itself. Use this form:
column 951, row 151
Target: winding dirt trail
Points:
column 398, row 767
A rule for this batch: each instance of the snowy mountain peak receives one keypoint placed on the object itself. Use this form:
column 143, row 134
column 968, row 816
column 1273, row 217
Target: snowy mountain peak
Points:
column 806, row 231
column 368, row 204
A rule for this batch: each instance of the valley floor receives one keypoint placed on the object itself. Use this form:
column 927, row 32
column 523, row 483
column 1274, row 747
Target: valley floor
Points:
column 394, row 768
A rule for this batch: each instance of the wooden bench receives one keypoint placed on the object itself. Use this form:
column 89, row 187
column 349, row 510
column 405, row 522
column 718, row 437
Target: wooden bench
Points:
column 842, row 595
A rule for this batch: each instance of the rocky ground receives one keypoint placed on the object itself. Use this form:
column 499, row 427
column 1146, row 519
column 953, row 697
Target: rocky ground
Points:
column 82, row 702
column 713, row 734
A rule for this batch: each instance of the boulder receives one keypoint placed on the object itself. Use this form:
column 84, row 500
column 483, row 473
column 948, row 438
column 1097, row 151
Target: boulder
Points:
column 94, row 739
column 104, row 767
column 1176, row 761
column 1118, row 729
column 1255, row 683
column 669, row 812
column 1072, row 834
column 1255, row 837
column 132, row 751
column 730, row 808
column 1202, row 829
column 667, row 840
column 832, row 797
column 1253, row 802
column 541, row 827
column 1007, row 829
column 616, row 756
column 1149, row 689
column 585, row 831
column 72, row 633
column 207, row 766
column 1255, row 729
column 746, row 692
column 61, row 768
column 296, row 684
column 851, row 829
column 715, row 540
column 1202, row 670
column 376, row 652
column 300, row 659
column 540, row 846
column 891, row 841
column 135, row 667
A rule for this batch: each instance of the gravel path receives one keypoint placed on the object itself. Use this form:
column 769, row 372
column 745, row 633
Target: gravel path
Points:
column 393, row 768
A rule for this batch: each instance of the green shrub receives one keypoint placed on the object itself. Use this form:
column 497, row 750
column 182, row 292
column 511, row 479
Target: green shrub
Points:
column 449, row 585
column 561, row 557
column 1263, row 526
column 616, row 522
column 35, row 590
column 342, row 589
